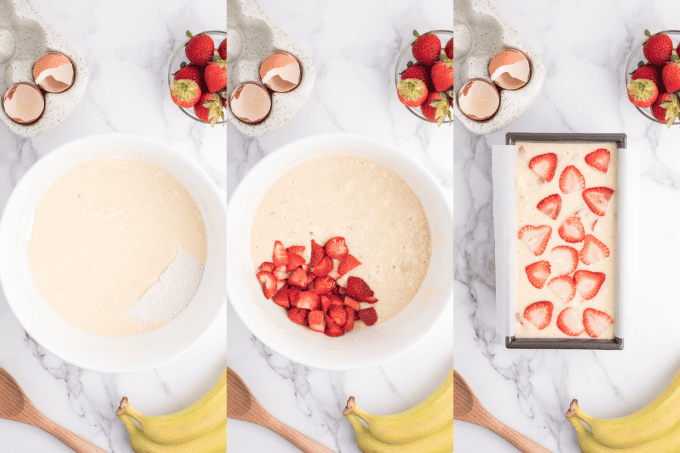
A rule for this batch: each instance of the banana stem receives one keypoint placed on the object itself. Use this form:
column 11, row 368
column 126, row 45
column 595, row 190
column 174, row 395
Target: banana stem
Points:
column 350, row 406
column 572, row 408
column 123, row 406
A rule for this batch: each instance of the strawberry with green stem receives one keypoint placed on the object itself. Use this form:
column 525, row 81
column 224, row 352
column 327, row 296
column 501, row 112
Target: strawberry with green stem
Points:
column 436, row 108
column 666, row 108
column 442, row 73
column 642, row 92
column 216, row 74
column 412, row 92
column 671, row 74
column 185, row 93
column 210, row 108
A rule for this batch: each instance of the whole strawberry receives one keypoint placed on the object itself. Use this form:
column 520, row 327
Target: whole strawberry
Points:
column 666, row 108
column 426, row 48
column 671, row 74
column 412, row 92
column 442, row 73
column 210, row 108
column 222, row 49
column 420, row 72
column 199, row 49
column 642, row 92
column 436, row 107
column 449, row 49
column 658, row 48
column 190, row 72
column 216, row 74
column 185, row 93
column 648, row 72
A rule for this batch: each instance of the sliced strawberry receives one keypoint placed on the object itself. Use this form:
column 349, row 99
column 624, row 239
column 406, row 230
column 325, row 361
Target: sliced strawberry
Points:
column 594, row 225
column 358, row 289
column 572, row 230
column 280, row 256
column 569, row 322
column 324, row 267
column 332, row 329
column 536, row 238
column 325, row 303
column 352, row 303
column 368, row 315
column 348, row 264
column 350, row 313
column 338, row 314
column 597, row 199
column 565, row 260
column 539, row 314
column 342, row 290
column 293, row 291
column 310, row 278
column 281, row 297
column 297, row 249
column 317, row 254
column 598, row 159
column 308, row 300
column 280, row 273
column 596, row 322
column 336, row 248
column 298, row 278
column 571, row 180
column 305, row 267
column 323, row 285
column 544, row 165
column 294, row 261
column 280, row 283
column 267, row 267
column 334, row 274
column 268, row 283
column 298, row 315
column 370, row 300
column 538, row 273
column 563, row 287
column 588, row 283
column 593, row 250
column 317, row 321
column 550, row 206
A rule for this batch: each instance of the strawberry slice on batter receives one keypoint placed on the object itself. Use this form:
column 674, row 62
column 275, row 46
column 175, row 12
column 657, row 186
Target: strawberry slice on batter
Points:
column 317, row 321
column 308, row 300
column 536, row 238
column 281, row 297
column 538, row 273
column 571, row 180
column 565, row 260
column 269, row 283
column 597, row 199
column 593, row 250
column 544, row 165
column 596, row 322
column 298, row 315
column 298, row 278
column 598, row 159
column 368, row 315
column 539, row 314
column 550, row 206
column 267, row 267
column 294, row 261
column 349, row 302
column 358, row 289
column 323, row 285
column 569, row 322
column 280, row 256
column 324, row 267
column 317, row 254
column 350, row 314
column 348, row 264
column 338, row 314
column 297, row 249
column 336, row 248
column 588, row 283
column 563, row 287
column 280, row 273
column 332, row 329
column 572, row 230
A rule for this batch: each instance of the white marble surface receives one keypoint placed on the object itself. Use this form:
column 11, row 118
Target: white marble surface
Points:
column 354, row 46
column 585, row 56
column 127, row 45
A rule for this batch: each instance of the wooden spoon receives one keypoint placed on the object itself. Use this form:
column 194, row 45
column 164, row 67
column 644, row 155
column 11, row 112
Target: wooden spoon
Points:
column 242, row 405
column 15, row 406
column 467, row 408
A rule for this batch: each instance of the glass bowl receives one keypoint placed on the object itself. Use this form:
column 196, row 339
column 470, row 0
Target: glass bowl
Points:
column 179, row 60
column 406, row 60
column 638, row 59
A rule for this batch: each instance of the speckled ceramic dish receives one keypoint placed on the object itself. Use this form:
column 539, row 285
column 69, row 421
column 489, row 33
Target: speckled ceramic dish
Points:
column 34, row 38
column 491, row 33
column 251, row 37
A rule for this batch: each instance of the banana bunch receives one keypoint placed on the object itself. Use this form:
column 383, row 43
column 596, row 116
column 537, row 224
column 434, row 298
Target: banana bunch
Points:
column 425, row 428
column 653, row 429
column 200, row 428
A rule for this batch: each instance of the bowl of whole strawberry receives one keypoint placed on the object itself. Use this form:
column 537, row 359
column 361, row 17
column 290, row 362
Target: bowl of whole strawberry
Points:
column 653, row 77
column 425, row 86
column 197, row 76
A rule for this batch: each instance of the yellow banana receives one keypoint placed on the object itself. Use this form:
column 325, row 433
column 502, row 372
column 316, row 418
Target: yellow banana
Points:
column 642, row 426
column 428, row 417
column 214, row 441
column 201, row 417
column 438, row 442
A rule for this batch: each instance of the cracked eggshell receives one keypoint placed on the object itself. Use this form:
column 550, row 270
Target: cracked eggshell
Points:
column 280, row 72
column 250, row 102
column 510, row 69
column 54, row 72
column 23, row 103
column 479, row 100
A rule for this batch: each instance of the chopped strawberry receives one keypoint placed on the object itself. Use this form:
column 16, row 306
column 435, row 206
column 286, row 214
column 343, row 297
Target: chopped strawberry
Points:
column 338, row 314
column 332, row 329
column 336, row 300
column 350, row 313
column 317, row 254
column 598, row 159
column 348, row 264
column 597, row 199
column 334, row 274
column 281, row 297
column 368, row 315
column 297, row 249
column 268, row 283
column 550, row 206
column 298, row 278
column 571, row 180
column 370, row 300
column 563, row 287
column 280, row 256
column 358, row 289
column 325, row 303
column 588, row 283
column 280, row 283
column 538, row 273
column 267, row 267
column 323, row 285
column 293, row 291
column 324, row 267
column 536, row 238
column 565, row 260
column 572, row 230
column 594, row 225
column 317, row 321
column 539, row 314
column 342, row 290
column 308, row 300
column 336, row 248
column 596, row 322
column 305, row 267
column 310, row 278
column 352, row 303
column 569, row 322
column 593, row 250
column 280, row 273
column 298, row 315
column 544, row 165
column 294, row 261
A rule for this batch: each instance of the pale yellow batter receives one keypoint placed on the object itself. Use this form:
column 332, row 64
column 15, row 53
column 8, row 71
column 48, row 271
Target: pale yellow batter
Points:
column 104, row 233
column 373, row 208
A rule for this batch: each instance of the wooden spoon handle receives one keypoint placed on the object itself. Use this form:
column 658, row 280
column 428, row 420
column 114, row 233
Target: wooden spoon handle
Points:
column 75, row 442
column 296, row 438
column 520, row 441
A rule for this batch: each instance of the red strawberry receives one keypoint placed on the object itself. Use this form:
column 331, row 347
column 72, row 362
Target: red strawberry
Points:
column 642, row 92
column 571, row 180
column 334, row 274
column 666, row 108
column 449, row 49
column 539, row 314
column 593, row 250
column 199, row 50
column 649, row 72
column 297, row 249
column 426, row 48
column 550, row 206
column 324, row 267
column 670, row 74
column 348, row 264
column 598, row 159
column 298, row 278
column 358, row 289
column 298, row 315
column 192, row 72
column 351, row 303
column 538, row 273
column 412, row 92
column 536, row 238
column 310, row 278
column 338, row 314
column 588, row 283
column 436, row 107
column 368, row 315
column 597, row 199
column 563, row 287
column 323, row 285
column 442, row 73
column 280, row 257
column 267, row 267
column 565, row 260
column 332, row 329
column 325, row 303
column 222, row 49
column 216, row 74
column 336, row 300
column 308, row 300
column 281, row 297
column 185, row 93
column 420, row 72
column 317, row 321
column 294, row 261
column 596, row 322
column 209, row 108
column 544, row 165
column 569, row 322
column 268, row 282
column 572, row 230
column 350, row 314
column 280, row 273
column 336, row 248
column 293, row 291
column 594, row 225
column 658, row 48
column 317, row 254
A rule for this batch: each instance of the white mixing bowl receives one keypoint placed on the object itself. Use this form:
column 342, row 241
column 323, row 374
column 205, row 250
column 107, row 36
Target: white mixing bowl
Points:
column 360, row 347
column 85, row 349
